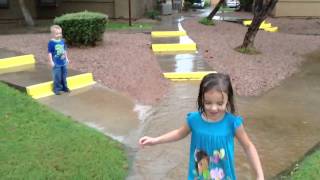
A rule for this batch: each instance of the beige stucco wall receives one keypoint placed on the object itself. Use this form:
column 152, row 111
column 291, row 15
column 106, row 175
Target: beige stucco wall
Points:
column 113, row 8
column 69, row 6
column 297, row 8
column 138, row 8
column 14, row 11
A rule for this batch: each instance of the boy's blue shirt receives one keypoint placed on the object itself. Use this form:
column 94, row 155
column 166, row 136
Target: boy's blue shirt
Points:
column 58, row 50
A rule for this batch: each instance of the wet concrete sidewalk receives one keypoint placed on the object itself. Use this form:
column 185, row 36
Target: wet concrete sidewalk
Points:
column 97, row 106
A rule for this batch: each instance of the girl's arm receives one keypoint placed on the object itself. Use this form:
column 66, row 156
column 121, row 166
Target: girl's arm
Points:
column 251, row 152
column 174, row 135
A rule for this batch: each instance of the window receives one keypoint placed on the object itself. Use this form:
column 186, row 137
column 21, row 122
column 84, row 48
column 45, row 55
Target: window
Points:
column 4, row 3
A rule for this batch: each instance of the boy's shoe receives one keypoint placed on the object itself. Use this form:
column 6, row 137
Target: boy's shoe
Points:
column 67, row 90
column 57, row 93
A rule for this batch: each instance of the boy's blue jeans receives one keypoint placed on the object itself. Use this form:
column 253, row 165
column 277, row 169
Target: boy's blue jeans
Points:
column 59, row 74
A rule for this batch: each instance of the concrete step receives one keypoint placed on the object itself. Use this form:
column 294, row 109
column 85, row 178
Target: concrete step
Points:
column 100, row 108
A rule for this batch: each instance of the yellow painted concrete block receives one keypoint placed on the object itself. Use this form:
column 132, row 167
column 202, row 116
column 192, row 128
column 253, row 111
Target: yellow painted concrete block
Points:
column 74, row 82
column 247, row 22
column 160, row 34
column 17, row 61
column 178, row 76
column 263, row 25
column 174, row 47
column 271, row 29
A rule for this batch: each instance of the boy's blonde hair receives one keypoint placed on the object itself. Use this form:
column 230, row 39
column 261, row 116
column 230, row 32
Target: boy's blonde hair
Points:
column 54, row 27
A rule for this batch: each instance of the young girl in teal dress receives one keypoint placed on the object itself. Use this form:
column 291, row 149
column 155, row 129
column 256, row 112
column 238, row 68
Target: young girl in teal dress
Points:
column 213, row 128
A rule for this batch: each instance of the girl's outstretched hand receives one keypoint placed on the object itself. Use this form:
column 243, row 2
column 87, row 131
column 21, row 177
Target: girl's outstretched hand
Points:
column 147, row 141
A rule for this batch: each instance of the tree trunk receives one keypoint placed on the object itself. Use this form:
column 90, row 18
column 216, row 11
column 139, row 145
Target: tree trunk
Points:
column 26, row 14
column 215, row 10
column 261, row 10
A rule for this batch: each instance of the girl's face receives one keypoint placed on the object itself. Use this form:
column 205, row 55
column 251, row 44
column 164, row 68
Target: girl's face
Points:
column 215, row 104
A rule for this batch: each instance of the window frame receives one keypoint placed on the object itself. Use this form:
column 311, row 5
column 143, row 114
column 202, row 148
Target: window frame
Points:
column 5, row 6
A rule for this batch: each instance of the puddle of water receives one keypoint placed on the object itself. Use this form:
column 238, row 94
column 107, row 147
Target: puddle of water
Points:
column 5, row 53
column 29, row 75
column 182, row 63
column 101, row 108
column 167, row 161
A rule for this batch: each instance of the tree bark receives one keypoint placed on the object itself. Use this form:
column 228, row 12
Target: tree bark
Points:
column 26, row 14
column 261, row 10
column 215, row 10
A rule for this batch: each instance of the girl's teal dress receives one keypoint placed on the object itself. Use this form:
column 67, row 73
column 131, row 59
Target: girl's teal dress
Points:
column 212, row 147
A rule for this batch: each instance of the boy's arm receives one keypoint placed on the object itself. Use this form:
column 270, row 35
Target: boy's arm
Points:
column 67, row 58
column 50, row 59
column 251, row 152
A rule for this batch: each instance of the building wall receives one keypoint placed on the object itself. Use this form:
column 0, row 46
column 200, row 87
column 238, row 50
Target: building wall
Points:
column 13, row 12
column 69, row 6
column 113, row 8
column 297, row 8
column 138, row 8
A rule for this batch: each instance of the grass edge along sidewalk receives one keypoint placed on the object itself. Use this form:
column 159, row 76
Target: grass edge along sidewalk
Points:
column 308, row 167
column 37, row 142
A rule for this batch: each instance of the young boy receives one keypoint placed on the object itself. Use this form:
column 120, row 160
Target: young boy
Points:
column 58, row 60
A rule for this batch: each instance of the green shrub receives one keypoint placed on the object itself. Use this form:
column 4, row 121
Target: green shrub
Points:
column 82, row 28
column 153, row 14
column 187, row 5
column 206, row 21
column 246, row 4
column 207, row 3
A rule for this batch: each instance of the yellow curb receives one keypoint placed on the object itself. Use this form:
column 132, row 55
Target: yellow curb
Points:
column 17, row 61
column 174, row 47
column 74, row 82
column 160, row 34
column 271, row 29
column 178, row 76
column 263, row 25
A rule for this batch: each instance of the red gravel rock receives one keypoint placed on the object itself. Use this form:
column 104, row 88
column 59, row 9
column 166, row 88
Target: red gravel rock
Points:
column 251, row 74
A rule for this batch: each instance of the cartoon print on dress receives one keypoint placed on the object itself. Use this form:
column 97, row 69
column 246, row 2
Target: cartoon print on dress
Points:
column 202, row 164
column 60, row 51
column 209, row 167
column 218, row 155
column 217, row 173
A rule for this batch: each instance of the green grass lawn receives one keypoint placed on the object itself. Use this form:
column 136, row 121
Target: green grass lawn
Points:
column 309, row 168
column 38, row 143
column 226, row 9
column 125, row 25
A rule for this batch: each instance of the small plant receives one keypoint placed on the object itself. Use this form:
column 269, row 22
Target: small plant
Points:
column 207, row 3
column 206, row 21
column 153, row 14
column 186, row 5
column 250, row 51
